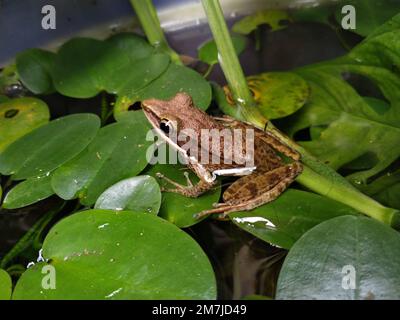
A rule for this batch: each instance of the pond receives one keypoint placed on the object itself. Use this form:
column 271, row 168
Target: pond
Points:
column 83, row 182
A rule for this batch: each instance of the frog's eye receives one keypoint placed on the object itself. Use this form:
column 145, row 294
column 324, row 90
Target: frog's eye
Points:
column 167, row 126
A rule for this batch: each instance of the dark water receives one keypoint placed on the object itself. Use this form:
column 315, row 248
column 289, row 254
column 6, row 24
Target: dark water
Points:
column 243, row 264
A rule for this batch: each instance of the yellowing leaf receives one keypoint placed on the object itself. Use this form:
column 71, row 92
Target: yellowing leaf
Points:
column 274, row 18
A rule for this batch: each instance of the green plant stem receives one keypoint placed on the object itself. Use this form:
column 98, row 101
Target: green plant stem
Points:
column 316, row 176
column 209, row 70
column 350, row 196
column 148, row 18
column 230, row 63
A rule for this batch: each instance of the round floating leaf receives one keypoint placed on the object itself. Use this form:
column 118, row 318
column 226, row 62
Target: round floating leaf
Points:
column 77, row 66
column 132, row 46
column 274, row 18
column 120, row 255
column 175, row 79
column 179, row 209
column 118, row 152
column 20, row 116
column 139, row 194
column 34, row 70
column 343, row 258
column 49, row 146
column 84, row 67
column 5, row 285
column 283, row 221
column 28, row 192
column 278, row 94
column 208, row 51
column 136, row 75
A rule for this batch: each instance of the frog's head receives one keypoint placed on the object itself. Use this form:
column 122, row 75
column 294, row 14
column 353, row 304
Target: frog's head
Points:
column 176, row 115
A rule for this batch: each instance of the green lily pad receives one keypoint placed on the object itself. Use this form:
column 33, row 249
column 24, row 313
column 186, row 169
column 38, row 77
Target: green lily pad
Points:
column 49, row 146
column 208, row 51
column 28, row 192
column 119, row 255
column 137, row 74
column 179, row 209
column 274, row 18
column 19, row 117
column 5, row 285
column 118, row 152
column 278, row 94
column 139, row 194
column 283, row 221
column 34, row 69
column 343, row 258
column 175, row 79
column 132, row 46
column 77, row 67
column 84, row 67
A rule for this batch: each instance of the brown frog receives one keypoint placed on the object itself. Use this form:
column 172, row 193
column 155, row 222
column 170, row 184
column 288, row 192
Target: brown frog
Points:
column 263, row 182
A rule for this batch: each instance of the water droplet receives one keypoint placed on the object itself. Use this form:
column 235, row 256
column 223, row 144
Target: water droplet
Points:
column 40, row 257
column 103, row 226
column 112, row 294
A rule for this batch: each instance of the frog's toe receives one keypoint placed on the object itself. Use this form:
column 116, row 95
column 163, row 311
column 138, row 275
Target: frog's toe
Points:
column 218, row 204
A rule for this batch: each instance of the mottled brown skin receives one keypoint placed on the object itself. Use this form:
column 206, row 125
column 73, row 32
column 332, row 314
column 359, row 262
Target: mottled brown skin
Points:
column 271, row 177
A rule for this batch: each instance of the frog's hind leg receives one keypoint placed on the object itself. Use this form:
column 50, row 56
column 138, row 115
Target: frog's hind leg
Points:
column 253, row 191
column 190, row 190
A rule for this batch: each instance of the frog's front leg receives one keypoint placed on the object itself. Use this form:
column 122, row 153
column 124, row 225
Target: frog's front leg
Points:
column 255, row 190
column 190, row 190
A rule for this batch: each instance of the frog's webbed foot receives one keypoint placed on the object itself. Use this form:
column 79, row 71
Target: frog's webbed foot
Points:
column 190, row 190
